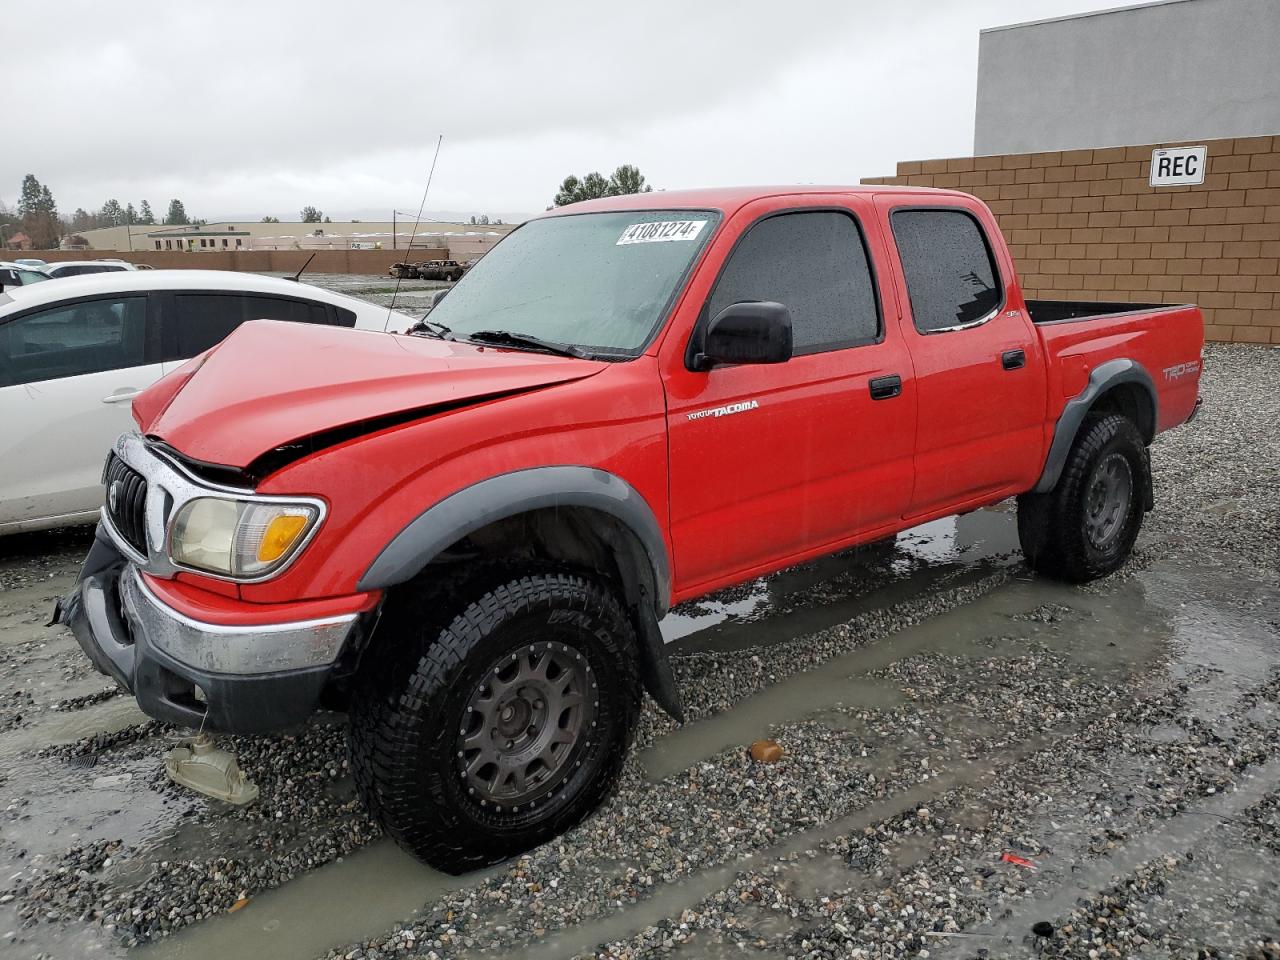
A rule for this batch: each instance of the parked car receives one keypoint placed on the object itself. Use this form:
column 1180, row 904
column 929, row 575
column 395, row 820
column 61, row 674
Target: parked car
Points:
column 78, row 268
column 440, row 270
column 30, row 262
column 467, row 538
column 403, row 270
column 73, row 354
column 17, row 275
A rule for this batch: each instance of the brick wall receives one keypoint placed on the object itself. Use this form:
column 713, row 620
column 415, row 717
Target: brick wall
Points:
column 1086, row 225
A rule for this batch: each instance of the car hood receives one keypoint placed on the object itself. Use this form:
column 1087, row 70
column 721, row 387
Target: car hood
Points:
column 274, row 383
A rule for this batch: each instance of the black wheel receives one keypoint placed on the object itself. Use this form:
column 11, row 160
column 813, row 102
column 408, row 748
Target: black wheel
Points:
column 1085, row 527
column 481, row 734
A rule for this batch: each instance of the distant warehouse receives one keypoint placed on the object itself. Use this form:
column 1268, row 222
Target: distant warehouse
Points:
column 465, row 241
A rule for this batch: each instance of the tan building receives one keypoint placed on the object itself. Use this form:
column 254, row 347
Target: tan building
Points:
column 465, row 241
column 1090, row 225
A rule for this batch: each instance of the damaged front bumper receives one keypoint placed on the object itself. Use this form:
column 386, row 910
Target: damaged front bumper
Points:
column 220, row 677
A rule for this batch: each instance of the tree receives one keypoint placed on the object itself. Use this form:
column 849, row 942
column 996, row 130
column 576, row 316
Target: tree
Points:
column 327, row 220
column 82, row 219
column 626, row 179
column 111, row 214
column 39, row 214
column 130, row 214
column 310, row 214
column 145, row 215
column 270, row 219
column 177, row 215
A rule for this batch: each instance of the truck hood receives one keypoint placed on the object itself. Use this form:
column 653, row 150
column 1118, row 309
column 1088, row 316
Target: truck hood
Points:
column 273, row 383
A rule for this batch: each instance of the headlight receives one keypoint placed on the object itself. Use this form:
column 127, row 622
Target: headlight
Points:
column 239, row 538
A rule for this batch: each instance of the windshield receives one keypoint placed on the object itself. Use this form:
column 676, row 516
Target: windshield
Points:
column 599, row 281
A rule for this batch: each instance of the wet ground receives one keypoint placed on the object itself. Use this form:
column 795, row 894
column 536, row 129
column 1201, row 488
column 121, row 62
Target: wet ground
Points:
column 978, row 763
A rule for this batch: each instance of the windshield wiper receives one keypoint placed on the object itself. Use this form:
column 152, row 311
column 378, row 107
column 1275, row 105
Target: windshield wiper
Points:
column 432, row 329
column 506, row 338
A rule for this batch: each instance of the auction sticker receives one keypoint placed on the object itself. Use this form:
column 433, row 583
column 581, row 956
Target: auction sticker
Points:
column 661, row 231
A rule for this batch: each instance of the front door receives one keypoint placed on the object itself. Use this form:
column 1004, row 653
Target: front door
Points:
column 768, row 462
column 67, row 376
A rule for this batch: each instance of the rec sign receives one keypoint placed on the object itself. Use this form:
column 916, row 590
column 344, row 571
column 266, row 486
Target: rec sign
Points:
column 1178, row 166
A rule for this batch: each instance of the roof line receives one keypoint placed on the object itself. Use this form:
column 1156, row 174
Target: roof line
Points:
column 1081, row 16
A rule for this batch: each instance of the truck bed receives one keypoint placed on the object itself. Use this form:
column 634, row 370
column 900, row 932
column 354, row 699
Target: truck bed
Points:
column 1055, row 311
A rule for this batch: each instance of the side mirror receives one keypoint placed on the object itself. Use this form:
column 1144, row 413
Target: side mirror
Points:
column 435, row 299
column 757, row 331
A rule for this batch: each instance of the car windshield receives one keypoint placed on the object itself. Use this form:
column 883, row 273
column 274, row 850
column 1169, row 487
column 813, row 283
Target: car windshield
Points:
column 599, row 281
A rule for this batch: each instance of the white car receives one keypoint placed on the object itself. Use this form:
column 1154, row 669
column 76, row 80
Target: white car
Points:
column 78, row 268
column 18, row 274
column 73, row 354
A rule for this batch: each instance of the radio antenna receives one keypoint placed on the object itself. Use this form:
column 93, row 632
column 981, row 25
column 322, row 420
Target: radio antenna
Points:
column 412, row 233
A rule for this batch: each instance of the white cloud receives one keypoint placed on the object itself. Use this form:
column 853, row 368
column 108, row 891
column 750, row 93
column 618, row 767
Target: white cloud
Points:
column 245, row 108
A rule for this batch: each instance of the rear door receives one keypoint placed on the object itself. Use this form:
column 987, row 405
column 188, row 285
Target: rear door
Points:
column 193, row 321
column 67, row 375
column 769, row 462
column 980, row 377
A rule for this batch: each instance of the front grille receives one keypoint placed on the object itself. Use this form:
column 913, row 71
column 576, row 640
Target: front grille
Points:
column 126, row 502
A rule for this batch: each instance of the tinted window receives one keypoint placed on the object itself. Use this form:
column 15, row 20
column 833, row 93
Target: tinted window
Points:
column 203, row 319
column 31, row 276
column 81, row 269
column 816, row 266
column 951, row 278
column 66, row 341
column 9, row 278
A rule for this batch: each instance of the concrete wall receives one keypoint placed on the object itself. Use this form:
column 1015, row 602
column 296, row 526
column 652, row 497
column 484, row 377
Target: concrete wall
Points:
column 1085, row 225
column 1165, row 71
column 255, row 261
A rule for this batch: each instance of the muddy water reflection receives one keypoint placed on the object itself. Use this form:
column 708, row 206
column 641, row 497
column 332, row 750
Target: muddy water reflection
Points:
column 359, row 896
column 1112, row 630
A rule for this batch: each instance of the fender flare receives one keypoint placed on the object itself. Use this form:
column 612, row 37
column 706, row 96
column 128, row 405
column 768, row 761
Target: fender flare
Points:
column 1102, row 378
column 509, row 494
column 537, row 488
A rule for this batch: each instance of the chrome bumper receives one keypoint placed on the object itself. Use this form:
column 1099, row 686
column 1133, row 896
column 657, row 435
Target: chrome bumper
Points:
column 216, row 648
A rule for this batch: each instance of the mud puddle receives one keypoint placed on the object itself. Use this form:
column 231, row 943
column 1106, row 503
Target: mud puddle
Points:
column 361, row 895
column 835, row 589
column 1110, row 631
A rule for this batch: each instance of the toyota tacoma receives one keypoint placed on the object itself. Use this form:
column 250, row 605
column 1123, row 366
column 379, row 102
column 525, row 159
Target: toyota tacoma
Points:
column 466, row 537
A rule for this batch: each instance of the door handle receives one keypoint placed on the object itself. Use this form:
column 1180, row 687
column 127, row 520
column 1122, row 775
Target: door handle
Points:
column 1013, row 359
column 884, row 388
column 120, row 396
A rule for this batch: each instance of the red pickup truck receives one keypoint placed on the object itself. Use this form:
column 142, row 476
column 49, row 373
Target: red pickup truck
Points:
column 466, row 537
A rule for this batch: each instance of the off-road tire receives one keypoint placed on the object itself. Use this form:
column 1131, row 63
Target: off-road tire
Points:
column 1054, row 527
column 413, row 688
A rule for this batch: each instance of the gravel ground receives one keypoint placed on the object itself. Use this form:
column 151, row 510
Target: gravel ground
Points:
column 977, row 764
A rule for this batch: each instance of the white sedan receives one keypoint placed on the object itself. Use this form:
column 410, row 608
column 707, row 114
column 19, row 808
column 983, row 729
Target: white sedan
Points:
column 82, row 268
column 73, row 354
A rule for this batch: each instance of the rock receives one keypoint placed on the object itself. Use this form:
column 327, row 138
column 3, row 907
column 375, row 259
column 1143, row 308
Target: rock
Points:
column 766, row 751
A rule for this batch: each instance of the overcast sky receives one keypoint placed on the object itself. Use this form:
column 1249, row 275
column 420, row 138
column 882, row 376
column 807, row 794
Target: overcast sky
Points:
column 245, row 108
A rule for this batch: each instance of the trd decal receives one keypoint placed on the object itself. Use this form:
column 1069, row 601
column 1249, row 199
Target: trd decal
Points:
column 725, row 411
column 1181, row 369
